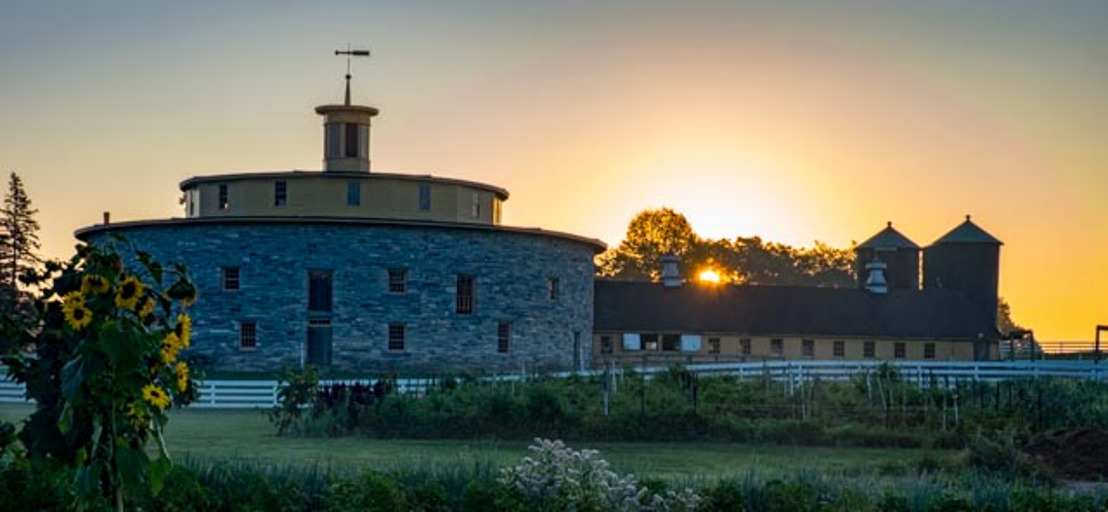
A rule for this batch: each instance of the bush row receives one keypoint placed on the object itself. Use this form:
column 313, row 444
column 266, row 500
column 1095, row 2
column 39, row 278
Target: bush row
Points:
column 877, row 410
column 233, row 488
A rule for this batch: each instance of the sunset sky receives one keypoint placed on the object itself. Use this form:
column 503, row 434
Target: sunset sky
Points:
column 795, row 121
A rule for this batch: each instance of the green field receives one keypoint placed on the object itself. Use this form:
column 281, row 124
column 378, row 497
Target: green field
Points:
column 247, row 436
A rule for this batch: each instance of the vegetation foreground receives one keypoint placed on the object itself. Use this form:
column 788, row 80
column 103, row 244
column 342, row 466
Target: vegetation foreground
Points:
column 230, row 460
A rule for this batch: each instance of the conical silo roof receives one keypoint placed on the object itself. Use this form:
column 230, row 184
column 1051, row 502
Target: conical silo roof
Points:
column 888, row 238
column 968, row 233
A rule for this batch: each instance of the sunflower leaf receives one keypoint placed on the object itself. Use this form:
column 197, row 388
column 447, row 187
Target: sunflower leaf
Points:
column 83, row 480
column 155, row 269
column 159, row 468
column 131, row 463
column 119, row 345
column 72, row 379
column 65, row 421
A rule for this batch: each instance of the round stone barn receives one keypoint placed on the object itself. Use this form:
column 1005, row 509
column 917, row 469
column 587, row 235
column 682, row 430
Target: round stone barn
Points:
column 363, row 271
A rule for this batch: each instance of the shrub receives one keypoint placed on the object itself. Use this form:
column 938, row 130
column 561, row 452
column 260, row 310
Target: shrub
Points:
column 1002, row 453
column 48, row 487
column 245, row 488
column 182, row 491
column 490, row 496
column 788, row 495
column 428, row 497
column 545, row 411
column 297, row 391
column 369, row 492
column 556, row 477
column 724, row 496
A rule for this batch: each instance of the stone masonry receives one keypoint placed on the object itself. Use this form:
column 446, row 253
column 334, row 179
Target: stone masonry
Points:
column 512, row 270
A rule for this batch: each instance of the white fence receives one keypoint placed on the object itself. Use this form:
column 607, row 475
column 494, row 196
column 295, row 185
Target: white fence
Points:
column 913, row 371
column 226, row 394
column 249, row 394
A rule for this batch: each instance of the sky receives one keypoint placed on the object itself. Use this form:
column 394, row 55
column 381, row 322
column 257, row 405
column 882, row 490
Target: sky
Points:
column 795, row 121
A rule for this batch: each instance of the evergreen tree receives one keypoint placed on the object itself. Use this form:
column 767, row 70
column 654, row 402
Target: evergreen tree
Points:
column 19, row 242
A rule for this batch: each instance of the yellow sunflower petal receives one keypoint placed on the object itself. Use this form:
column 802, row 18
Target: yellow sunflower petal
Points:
column 181, row 372
column 93, row 283
column 184, row 329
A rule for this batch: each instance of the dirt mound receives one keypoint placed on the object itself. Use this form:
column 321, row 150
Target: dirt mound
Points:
column 1074, row 454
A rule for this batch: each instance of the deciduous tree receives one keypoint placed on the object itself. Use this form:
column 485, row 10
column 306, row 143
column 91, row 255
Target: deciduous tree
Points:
column 650, row 235
column 1004, row 322
column 653, row 233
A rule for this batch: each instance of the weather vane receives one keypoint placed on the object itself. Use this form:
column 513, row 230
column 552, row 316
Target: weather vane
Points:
column 348, row 52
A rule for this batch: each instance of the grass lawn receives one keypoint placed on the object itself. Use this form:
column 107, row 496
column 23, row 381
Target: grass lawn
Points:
column 247, row 436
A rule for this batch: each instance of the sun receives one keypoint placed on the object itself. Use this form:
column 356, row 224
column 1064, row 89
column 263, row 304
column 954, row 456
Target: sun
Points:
column 708, row 275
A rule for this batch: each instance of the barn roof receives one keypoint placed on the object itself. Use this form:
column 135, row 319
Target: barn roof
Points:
column 636, row 306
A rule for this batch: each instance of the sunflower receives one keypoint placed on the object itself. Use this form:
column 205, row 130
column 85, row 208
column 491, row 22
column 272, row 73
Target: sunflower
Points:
column 147, row 309
column 77, row 314
column 184, row 329
column 181, row 372
column 170, row 347
column 129, row 292
column 155, row 396
column 94, row 283
column 136, row 414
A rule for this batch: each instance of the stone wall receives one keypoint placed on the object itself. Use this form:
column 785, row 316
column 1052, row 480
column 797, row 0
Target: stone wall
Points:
column 512, row 271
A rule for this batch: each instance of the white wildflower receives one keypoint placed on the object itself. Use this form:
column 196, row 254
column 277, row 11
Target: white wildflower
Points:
column 576, row 480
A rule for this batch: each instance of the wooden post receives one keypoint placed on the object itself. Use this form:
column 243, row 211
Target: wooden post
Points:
column 607, row 389
column 957, row 393
column 1096, row 351
column 642, row 392
column 944, row 407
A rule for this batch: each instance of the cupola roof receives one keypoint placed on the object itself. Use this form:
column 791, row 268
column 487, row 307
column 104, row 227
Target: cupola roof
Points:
column 968, row 233
column 888, row 238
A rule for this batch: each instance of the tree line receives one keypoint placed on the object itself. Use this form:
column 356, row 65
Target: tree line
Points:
column 741, row 260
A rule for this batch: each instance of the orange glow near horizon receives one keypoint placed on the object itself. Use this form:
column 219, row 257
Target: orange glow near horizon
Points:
column 709, row 276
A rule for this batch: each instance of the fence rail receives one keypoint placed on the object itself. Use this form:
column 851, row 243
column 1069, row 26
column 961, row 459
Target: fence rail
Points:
column 250, row 394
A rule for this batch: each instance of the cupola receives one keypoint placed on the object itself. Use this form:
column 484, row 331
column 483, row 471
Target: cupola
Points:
column 876, row 282
column 671, row 277
column 346, row 134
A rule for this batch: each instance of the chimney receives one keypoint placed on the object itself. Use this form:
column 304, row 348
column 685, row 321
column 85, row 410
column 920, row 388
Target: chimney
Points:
column 671, row 278
column 876, row 282
column 107, row 217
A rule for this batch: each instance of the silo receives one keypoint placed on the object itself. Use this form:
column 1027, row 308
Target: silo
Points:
column 966, row 259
